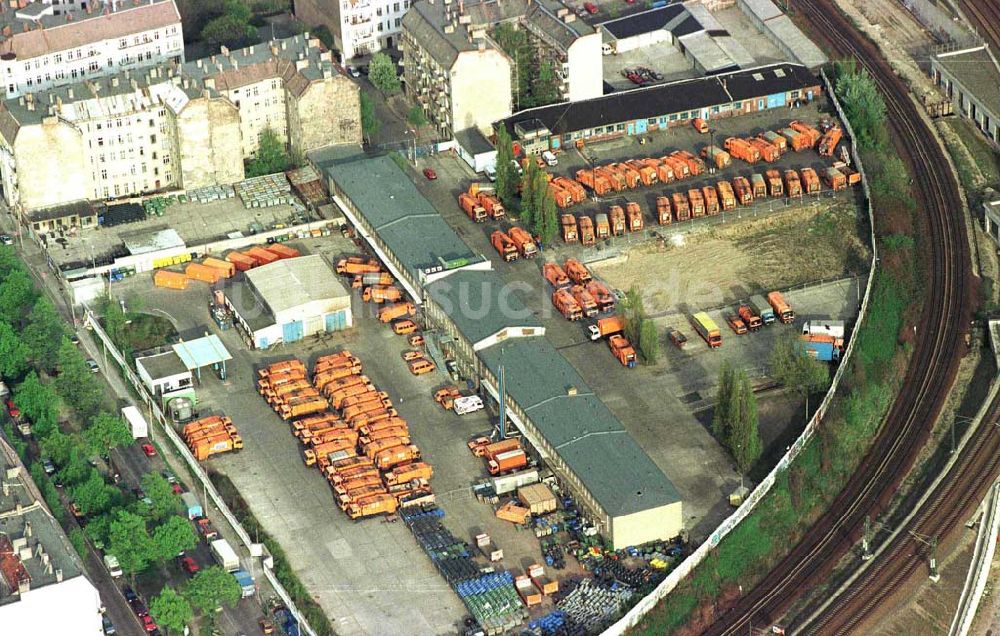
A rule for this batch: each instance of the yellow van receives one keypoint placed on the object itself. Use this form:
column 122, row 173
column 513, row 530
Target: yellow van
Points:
column 402, row 327
column 421, row 366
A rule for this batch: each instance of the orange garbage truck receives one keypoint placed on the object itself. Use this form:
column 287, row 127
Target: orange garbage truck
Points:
column 399, row 310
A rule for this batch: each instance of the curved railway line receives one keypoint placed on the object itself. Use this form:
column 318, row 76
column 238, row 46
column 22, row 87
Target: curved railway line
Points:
column 985, row 16
column 934, row 362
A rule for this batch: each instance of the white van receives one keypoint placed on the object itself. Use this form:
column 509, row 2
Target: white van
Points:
column 111, row 562
column 491, row 172
column 549, row 158
column 468, row 404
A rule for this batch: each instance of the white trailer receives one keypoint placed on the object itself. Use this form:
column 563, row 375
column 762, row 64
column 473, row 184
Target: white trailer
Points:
column 835, row 328
column 136, row 422
column 225, row 555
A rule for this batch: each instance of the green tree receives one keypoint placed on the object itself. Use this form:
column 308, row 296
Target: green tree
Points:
column 129, row 540
column 94, row 495
column 506, row 172
column 232, row 29
column 79, row 541
column 166, row 503
column 794, row 368
column 723, row 396
column 548, row 226
column 863, row 105
column 56, row 446
column 76, row 469
column 38, row 403
column 544, row 86
column 170, row 610
column 416, row 116
column 649, row 341
column 116, row 322
column 271, row 156
column 540, row 194
column 744, row 435
column 382, row 73
column 75, row 382
column 13, row 352
column 43, row 334
column 634, row 312
column 211, row 588
column 529, row 181
column 105, row 433
column 17, row 293
column 370, row 124
column 173, row 536
column 99, row 527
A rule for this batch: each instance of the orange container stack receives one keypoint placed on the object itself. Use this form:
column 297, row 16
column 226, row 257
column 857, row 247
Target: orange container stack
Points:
column 204, row 273
column 261, row 255
column 241, row 261
column 226, row 268
column 283, row 251
column 170, row 280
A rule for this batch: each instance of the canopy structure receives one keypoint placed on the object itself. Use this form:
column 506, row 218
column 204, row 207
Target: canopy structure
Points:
column 203, row 352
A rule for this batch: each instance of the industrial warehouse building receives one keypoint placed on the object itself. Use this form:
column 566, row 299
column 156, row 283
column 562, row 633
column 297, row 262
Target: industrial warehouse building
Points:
column 289, row 300
column 482, row 323
column 643, row 110
column 971, row 80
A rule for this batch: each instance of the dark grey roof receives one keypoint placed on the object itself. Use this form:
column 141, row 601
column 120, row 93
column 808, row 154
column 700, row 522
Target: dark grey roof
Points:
column 644, row 21
column 163, row 365
column 80, row 208
column 555, row 23
column 664, row 99
column 480, row 303
column 977, row 72
column 473, row 141
column 248, row 304
column 427, row 23
column 588, row 437
column 403, row 219
column 687, row 26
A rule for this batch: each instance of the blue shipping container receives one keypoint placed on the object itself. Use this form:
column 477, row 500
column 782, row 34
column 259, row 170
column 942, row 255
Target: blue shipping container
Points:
column 246, row 582
column 823, row 351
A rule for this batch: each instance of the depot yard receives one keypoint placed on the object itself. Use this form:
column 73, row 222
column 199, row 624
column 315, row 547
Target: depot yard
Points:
column 370, row 576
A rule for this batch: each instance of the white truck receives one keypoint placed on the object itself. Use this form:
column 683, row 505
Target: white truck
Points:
column 834, row 328
column 468, row 404
column 111, row 562
column 136, row 422
column 225, row 555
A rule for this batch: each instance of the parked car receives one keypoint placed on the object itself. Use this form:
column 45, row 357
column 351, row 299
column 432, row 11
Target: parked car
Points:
column 148, row 623
column 129, row 594
column 590, row 7
column 107, row 625
column 149, row 450
column 12, row 409
column 92, row 365
column 48, row 466
column 353, row 71
column 75, row 339
column 549, row 158
column 139, row 607
column 189, row 565
column 430, row 174
column 6, row 239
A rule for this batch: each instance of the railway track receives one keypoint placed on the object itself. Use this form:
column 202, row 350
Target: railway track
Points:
column 935, row 358
column 985, row 17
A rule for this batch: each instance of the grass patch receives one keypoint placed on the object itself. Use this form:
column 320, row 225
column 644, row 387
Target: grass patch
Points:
column 147, row 331
column 313, row 613
column 987, row 159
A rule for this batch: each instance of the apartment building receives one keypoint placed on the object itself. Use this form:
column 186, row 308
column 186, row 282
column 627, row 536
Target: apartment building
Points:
column 359, row 27
column 172, row 126
column 452, row 66
column 51, row 43
column 43, row 586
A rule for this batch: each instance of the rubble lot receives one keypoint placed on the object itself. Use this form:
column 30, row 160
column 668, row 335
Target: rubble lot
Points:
column 369, row 576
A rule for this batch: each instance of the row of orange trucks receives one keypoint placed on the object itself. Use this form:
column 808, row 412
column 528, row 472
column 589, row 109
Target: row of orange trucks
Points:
column 211, row 269
column 359, row 442
column 503, row 456
column 481, row 203
column 750, row 316
column 377, row 286
column 697, row 202
column 211, row 435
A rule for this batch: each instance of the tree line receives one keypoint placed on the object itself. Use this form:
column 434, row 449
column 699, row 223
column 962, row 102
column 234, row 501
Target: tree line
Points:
column 64, row 402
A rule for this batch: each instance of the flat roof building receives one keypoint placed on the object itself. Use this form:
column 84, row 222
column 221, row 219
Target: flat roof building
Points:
column 780, row 29
column 970, row 77
column 43, row 586
column 288, row 300
column 642, row 110
column 165, row 374
column 399, row 224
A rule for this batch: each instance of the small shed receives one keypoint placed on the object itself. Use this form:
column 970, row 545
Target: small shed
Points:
column 164, row 373
column 475, row 149
column 537, row 498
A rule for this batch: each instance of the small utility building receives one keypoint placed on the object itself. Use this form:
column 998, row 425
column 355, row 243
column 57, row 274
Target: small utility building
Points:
column 288, row 300
column 164, row 373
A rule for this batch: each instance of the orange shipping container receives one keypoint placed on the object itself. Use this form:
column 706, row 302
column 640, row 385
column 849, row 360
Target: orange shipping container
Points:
column 170, row 280
column 262, row 256
column 226, row 268
column 283, row 251
column 196, row 271
column 241, row 261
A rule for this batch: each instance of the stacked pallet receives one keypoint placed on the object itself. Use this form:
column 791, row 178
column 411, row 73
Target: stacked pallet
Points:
column 285, row 388
column 211, row 436
column 211, row 193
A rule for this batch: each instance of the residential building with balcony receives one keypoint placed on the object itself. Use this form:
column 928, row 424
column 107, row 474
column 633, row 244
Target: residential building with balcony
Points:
column 359, row 27
column 572, row 46
column 51, row 43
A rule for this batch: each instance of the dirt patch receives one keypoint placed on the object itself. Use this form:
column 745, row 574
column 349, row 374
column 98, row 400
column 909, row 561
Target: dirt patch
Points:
column 730, row 262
